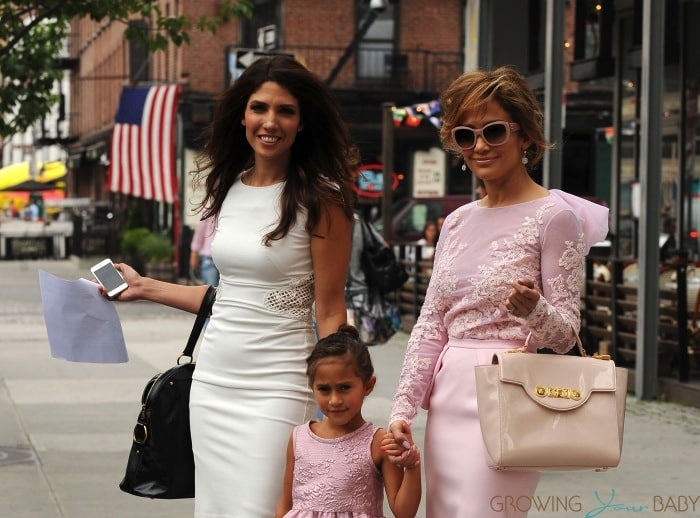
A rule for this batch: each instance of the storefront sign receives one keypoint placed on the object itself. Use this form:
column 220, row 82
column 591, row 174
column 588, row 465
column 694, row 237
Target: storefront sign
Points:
column 429, row 173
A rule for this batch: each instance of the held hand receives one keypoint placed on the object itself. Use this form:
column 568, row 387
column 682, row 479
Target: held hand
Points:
column 390, row 446
column 398, row 454
column 400, row 430
column 413, row 458
column 132, row 278
column 523, row 298
column 403, row 453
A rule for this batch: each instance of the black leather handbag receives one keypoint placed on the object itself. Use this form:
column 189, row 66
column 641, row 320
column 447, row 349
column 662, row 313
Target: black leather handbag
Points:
column 161, row 464
column 383, row 272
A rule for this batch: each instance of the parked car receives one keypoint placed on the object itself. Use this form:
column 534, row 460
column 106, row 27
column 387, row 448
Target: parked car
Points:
column 411, row 214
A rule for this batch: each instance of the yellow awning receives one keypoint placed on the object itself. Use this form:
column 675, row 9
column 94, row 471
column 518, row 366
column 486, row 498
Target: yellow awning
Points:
column 15, row 174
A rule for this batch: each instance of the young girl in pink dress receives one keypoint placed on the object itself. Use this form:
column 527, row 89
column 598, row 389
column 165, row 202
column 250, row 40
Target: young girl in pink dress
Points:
column 507, row 266
column 336, row 467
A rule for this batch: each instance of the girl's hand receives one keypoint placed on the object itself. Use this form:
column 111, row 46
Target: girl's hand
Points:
column 402, row 482
column 523, row 298
column 410, row 458
column 390, row 446
column 403, row 454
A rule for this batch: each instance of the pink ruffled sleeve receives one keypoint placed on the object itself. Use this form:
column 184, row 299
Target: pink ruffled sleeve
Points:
column 592, row 217
column 566, row 240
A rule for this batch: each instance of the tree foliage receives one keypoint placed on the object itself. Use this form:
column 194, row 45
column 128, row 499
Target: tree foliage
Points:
column 33, row 35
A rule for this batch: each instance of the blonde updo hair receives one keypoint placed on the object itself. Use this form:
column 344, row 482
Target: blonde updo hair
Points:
column 471, row 93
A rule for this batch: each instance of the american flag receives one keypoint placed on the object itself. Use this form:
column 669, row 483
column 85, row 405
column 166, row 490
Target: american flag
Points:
column 142, row 161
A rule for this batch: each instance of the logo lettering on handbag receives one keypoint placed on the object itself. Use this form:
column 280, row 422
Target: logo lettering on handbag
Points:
column 558, row 392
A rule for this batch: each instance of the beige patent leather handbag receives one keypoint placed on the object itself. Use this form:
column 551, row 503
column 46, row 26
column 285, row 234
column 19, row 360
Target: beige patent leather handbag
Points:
column 542, row 412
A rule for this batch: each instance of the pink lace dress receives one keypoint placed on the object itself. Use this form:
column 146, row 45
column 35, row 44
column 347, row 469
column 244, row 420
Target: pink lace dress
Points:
column 335, row 478
column 463, row 321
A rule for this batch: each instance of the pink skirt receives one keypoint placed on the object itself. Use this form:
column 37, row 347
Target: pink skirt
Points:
column 459, row 484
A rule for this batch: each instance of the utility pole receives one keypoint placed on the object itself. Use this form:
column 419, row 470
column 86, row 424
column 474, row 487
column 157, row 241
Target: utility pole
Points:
column 388, row 167
column 553, row 93
column 646, row 361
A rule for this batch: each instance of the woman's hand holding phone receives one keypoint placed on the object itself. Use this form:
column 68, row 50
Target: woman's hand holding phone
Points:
column 128, row 287
column 109, row 278
column 133, row 279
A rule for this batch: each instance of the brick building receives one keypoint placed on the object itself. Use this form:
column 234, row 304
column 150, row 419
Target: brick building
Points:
column 413, row 49
column 398, row 57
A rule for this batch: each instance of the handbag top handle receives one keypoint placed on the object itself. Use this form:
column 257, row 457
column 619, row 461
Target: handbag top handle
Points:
column 581, row 349
column 202, row 315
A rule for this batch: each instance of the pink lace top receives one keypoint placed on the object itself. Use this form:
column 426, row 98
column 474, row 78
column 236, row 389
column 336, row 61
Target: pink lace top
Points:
column 335, row 478
column 481, row 252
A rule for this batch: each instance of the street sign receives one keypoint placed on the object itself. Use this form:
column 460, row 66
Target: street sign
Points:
column 267, row 37
column 429, row 175
column 237, row 60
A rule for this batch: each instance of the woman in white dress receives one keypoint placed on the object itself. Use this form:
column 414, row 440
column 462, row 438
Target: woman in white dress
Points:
column 277, row 168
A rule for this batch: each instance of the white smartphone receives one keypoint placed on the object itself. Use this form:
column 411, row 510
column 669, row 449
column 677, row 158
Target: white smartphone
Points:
column 109, row 277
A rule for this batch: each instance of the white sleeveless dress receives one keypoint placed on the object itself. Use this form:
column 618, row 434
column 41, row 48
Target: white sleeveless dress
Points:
column 249, row 388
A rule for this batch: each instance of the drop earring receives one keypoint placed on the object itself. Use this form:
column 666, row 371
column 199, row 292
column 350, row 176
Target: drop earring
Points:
column 524, row 159
column 464, row 166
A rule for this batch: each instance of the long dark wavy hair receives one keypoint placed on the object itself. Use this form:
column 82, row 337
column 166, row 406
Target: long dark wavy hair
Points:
column 323, row 159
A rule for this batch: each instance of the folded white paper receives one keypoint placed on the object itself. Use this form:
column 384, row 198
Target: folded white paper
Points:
column 82, row 325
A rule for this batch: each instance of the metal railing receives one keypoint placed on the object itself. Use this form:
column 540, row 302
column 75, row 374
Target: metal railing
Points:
column 409, row 298
column 415, row 70
column 609, row 315
column 608, row 312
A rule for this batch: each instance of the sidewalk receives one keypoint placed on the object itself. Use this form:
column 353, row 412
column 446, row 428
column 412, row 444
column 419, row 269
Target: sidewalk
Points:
column 65, row 428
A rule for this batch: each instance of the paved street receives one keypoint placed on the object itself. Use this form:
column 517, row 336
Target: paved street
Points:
column 65, row 428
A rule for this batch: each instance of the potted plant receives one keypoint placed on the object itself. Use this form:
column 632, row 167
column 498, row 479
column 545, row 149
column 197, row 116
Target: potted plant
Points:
column 149, row 253
column 131, row 239
column 157, row 251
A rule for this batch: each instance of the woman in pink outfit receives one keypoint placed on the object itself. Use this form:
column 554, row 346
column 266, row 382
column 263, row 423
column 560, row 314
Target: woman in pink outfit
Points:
column 506, row 266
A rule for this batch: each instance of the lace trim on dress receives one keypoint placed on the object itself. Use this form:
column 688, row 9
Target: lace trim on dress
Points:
column 295, row 301
column 556, row 328
column 337, row 474
column 553, row 323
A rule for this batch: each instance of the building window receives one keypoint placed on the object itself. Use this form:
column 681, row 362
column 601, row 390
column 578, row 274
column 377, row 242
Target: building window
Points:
column 593, row 41
column 591, row 48
column 265, row 13
column 138, row 55
column 375, row 55
column 588, row 14
column 593, row 29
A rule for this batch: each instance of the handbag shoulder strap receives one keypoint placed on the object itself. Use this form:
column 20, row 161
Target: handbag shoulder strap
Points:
column 366, row 236
column 202, row 315
column 371, row 236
